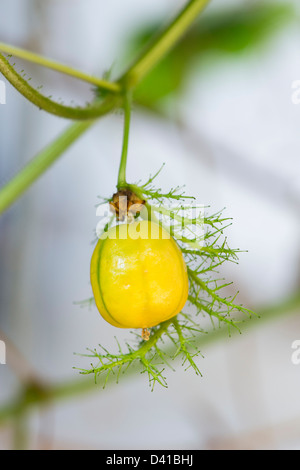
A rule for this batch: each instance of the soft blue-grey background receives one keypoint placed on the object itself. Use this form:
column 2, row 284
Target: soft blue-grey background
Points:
column 239, row 147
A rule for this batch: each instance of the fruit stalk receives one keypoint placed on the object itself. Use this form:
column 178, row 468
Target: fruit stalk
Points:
column 127, row 115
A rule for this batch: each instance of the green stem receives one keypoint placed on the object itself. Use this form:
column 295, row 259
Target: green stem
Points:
column 51, row 64
column 123, row 162
column 38, row 165
column 95, row 109
column 163, row 43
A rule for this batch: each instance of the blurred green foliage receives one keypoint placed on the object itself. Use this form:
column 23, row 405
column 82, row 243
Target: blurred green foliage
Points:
column 231, row 31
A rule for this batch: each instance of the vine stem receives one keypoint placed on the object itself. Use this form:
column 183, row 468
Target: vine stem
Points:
column 156, row 50
column 149, row 58
column 38, row 165
column 123, row 163
column 163, row 42
column 58, row 67
column 91, row 111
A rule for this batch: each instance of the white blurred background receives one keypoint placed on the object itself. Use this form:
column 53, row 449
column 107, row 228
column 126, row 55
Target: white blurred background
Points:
column 235, row 144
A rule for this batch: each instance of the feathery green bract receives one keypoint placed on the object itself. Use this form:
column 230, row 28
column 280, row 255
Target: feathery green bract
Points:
column 205, row 249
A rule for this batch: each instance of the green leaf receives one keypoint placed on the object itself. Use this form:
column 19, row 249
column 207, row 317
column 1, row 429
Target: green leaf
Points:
column 231, row 31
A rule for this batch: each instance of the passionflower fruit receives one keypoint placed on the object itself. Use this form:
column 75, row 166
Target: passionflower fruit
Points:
column 138, row 275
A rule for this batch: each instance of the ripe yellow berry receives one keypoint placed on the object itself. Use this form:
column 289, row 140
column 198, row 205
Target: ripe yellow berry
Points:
column 138, row 275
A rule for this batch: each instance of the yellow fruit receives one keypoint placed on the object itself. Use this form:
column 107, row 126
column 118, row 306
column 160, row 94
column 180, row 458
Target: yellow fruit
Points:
column 138, row 275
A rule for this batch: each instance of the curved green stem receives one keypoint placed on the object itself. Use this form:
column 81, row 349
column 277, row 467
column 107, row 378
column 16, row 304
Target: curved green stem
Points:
column 58, row 67
column 92, row 111
column 154, row 52
column 123, row 162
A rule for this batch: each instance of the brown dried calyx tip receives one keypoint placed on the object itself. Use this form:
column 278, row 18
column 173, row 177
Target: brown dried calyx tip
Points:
column 145, row 334
column 125, row 203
